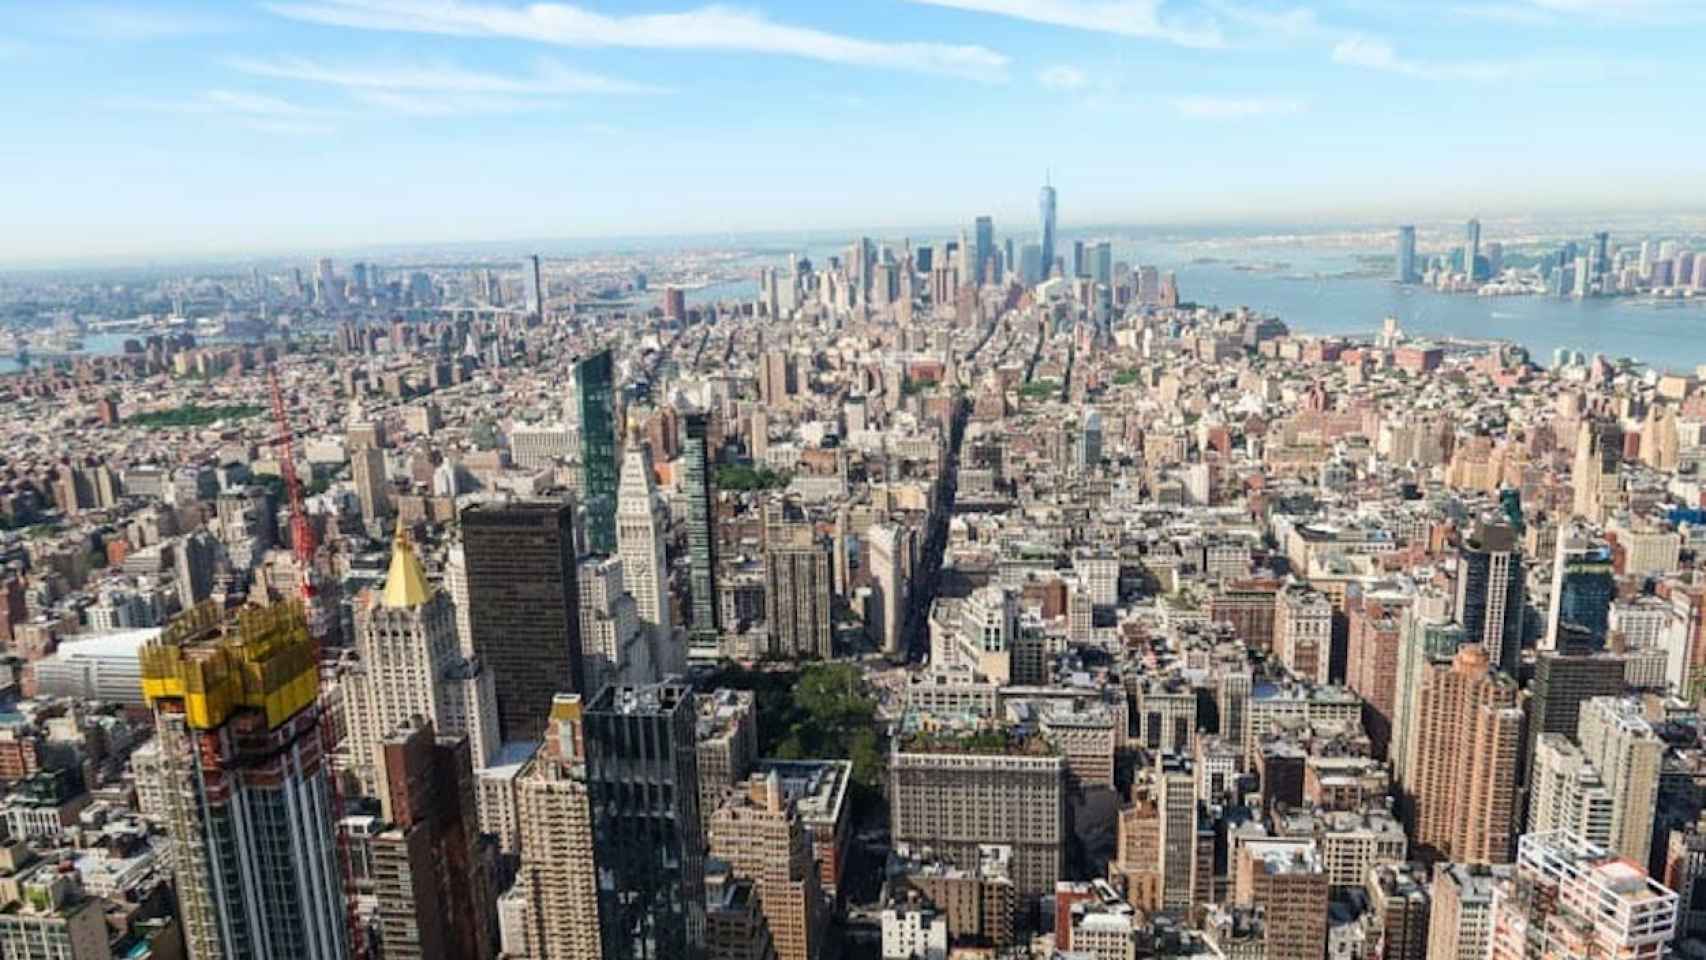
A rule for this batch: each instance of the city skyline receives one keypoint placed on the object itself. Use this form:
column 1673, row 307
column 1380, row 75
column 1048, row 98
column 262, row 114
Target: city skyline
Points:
column 360, row 122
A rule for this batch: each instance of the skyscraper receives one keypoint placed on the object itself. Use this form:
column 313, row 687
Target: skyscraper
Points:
column 1472, row 250
column 705, row 628
column 1046, row 210
column 243, row 784
column 595, row 391
column 367, row 472
column 1566, row 792
column 411, row 665
column 1407, row 255
column 883, row 545
column 797, row 600
column 1489, row 593
column 643, row 783
column 535, row 287
column 1466, row 761
column 1583, row 586
column 1594, row 474
column 558, row 878
column 435, row 901
column 641, row 528
column 985, row 266
column 524, row 607
column 758, row 832
column 1623, row 747
column 1102, row 263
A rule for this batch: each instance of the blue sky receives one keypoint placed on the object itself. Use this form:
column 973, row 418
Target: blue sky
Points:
column 160, row 129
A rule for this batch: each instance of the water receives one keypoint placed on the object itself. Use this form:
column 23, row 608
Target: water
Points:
column 1667, row 336
column 1312, row 294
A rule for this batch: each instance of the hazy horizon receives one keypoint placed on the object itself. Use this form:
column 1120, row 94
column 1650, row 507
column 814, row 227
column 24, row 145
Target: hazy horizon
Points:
column 174, row 130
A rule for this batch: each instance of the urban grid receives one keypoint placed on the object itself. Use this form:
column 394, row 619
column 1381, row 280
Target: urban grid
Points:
column 1026, row 588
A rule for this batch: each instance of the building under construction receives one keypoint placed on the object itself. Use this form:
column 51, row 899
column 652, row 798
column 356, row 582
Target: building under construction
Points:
column 243, row 785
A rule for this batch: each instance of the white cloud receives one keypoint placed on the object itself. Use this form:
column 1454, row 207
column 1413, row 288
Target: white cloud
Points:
column 1626, row 11
column 253, row 110
column 1130, row 18
column 113, row 22
column 1235, row 108
column 547, row 79
column 1063, row 78
column 1374, row 53
column 706, row 28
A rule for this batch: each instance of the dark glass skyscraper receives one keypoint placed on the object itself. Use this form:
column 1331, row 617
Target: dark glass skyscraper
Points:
column 524, row 607
column 1045, row 208
column 705, row 631
column 1583, row 588
column 642, row 779
column 1489, row 593
column 595, row 392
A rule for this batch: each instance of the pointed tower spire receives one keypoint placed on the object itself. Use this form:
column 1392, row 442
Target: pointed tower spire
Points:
column 406, row 582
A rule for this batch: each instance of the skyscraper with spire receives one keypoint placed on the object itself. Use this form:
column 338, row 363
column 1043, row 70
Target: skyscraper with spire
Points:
column 1045, row 208
column 411, row 665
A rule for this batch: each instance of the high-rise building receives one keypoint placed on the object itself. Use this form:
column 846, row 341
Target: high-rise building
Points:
column 1407, row 255
column 727, row 734
column 1176, row 802
column 535, row 287
column 1563, row 681
column 429, row 879
column 1460, row 923
column 1490, row 593
column 1594, row 475
column 411, row 665
column 1046, row 212
column 524, row 607
column 883, row 546
column 757, row 831
column 1583, row 586
column 1399, row 902
column 243, row 786
column 367, row 472
column 616, row 648
column 1465, row 763
column 1102, row 263
column 595, row 392
column 1572, row 900
column 1288, row 882
column 1303, row 633
column 558, row 876
column 957, row 795
column 641, row 532
column 1622, row 745
column 1566, row 792
column 797, row 600
column 644, row 786
column 704, row 623
column 1472, row 250
column 612, row 855
column 985, row 259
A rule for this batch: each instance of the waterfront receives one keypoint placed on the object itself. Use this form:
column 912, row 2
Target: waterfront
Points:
column 1323, row 288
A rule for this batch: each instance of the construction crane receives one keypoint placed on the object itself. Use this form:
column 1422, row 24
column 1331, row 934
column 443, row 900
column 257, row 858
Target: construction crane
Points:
column 302, row 543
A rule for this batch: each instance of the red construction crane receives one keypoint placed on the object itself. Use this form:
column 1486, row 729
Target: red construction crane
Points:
column 303, row 546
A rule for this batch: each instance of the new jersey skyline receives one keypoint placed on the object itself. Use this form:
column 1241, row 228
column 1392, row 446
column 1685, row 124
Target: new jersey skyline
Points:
column 172, row 128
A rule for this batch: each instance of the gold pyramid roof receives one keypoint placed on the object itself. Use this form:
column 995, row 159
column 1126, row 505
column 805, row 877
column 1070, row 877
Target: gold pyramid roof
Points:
column 406, row 583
